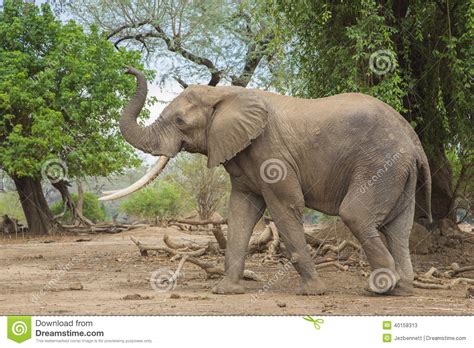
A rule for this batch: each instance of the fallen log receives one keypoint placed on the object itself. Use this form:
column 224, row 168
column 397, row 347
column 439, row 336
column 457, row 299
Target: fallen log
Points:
column 182, row 244
column 210, row 247
column 332, row 263
column 145, row 248
column 337, row 249
column 219, row 235
column 455, row 269
column 199, row 222
column 209, row 268
column 430, row 286
column 431, row 272
column 102, row 228
column 436, row 283
column 259, row 243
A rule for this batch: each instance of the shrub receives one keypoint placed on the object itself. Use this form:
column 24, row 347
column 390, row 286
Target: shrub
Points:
column 161, row 200
column 92, row 209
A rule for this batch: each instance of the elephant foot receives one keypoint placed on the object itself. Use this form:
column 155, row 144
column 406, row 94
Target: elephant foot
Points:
column 311, row 287
column 403, row 288
column 227, row 287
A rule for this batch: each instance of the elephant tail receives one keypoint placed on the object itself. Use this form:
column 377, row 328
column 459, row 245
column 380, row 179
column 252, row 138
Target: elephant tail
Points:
column 424, row 180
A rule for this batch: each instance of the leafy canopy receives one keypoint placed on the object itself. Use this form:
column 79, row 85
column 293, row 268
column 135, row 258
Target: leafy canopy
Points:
column 61, row 92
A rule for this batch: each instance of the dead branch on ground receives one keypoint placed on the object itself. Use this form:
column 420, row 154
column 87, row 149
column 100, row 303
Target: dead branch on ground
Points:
column 190, row 256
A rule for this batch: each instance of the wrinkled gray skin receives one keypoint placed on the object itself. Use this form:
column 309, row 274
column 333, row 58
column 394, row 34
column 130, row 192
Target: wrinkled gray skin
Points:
column 349, row 155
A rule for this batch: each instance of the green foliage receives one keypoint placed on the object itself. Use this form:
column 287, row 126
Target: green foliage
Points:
column 92, row 208
column 332, row 47
column 10, row 205
column 161, row 200
column 61, row 91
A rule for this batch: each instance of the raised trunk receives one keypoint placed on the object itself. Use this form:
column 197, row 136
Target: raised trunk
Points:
column 38, row 216
column 139, row 137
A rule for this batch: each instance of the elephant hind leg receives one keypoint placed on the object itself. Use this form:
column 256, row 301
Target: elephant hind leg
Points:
column 397, row 233
column 361, row 216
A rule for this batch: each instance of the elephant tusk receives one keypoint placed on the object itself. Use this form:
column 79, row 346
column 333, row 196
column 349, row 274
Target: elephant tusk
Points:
column 109, row 192
column 144, row 180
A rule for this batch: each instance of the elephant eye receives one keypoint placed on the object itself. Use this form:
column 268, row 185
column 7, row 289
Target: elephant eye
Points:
column 179, row 121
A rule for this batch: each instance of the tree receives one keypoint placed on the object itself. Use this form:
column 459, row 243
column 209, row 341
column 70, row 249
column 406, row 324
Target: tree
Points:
column 61, row 91
column 205, row 42
column 415, row 55
column 207, row 188
column 161, row 200
column 197, row 41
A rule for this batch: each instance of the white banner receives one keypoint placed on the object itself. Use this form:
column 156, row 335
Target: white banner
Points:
column 310, row 331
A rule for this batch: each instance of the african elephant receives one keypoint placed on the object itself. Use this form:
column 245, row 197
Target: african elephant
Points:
column 349, row 155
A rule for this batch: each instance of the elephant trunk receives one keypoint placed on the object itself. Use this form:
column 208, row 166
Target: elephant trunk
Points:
column 143, row 138
column 137, row 136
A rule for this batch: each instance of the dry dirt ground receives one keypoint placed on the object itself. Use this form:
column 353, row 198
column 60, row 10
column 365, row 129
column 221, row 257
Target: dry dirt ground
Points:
column 111, row 278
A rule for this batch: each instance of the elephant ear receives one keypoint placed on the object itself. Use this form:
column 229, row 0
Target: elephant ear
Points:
column 239, row 117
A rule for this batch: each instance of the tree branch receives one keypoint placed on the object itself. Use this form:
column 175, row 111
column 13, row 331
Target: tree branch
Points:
column 255, row 54
column 127, row 26
column 173, row 44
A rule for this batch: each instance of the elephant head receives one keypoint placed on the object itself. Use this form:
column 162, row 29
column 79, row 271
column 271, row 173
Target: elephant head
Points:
column 218, row 122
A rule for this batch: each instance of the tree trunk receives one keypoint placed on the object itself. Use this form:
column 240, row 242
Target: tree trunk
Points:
column 80, row 198
column 38, row 216
column 76, row 209
column 442, row 188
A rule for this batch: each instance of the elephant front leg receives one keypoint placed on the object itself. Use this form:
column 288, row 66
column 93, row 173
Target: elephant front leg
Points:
column 245, row 209
column 286, row 210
